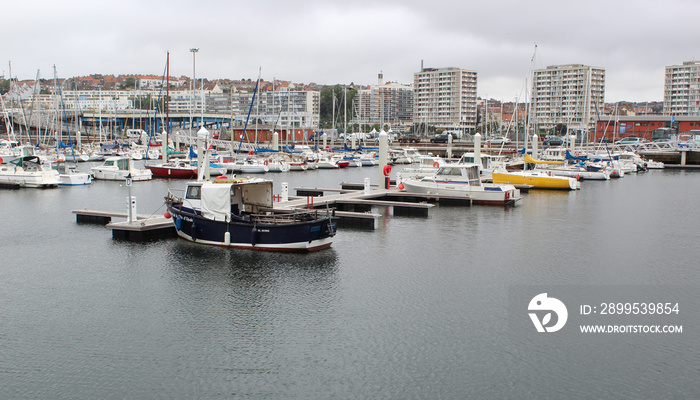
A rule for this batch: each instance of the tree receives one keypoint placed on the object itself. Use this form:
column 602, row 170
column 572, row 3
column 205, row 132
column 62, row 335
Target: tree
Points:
column 560, row 129
column 326, row 106
column 129, row 82
column 4, row 86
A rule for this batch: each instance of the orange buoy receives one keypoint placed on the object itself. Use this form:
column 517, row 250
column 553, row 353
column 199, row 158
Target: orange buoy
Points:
column 166, row 214
column 401, row 186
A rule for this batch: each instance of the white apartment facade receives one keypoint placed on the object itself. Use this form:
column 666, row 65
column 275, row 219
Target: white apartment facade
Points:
column 682, row 89
column 385, row 103
column 567, row 94
column 445, row 98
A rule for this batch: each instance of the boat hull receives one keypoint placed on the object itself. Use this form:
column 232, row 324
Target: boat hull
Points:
column 164, row 171
column 75, row 179
column 120, row 175
column 297, row 236
column 29, row 179
column 601, row 175
column 493, row 196
column 536, row 181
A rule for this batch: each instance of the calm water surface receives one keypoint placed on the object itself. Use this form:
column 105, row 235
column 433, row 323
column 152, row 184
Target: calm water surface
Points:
column 417, row 308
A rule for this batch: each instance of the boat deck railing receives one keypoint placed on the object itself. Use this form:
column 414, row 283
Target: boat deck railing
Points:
column 278, row 217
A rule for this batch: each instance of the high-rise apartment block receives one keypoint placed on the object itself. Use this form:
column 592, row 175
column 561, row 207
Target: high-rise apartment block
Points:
column 567, row 94
column 386, row 103
column 445, row 98
column 682, row 89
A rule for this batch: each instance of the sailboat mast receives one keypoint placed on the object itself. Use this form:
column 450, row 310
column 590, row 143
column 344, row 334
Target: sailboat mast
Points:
column 164, row 143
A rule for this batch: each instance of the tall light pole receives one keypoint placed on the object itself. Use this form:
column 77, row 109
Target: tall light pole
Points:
column 193, row 86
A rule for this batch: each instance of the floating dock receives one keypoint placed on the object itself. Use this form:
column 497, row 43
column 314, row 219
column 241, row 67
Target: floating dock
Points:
column 351, row 206
column 145, row 227
column 9, row 185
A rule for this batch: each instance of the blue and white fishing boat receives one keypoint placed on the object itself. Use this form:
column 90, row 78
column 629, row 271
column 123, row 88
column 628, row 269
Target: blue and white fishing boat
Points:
column 239, row 213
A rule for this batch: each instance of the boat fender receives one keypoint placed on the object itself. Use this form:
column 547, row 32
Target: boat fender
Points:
column 401, row 186
column 166, row 214
column 387, row 170
column 178, row 223
column 436, row 164
column 578, row 177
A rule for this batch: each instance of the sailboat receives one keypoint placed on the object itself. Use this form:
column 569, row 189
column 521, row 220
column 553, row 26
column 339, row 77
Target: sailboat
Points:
column 175, row 168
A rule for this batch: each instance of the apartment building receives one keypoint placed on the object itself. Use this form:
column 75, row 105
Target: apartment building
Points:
column 385, row 103
column 567, row 94
column 682, row 89
column 445, row 98
column 285, row 109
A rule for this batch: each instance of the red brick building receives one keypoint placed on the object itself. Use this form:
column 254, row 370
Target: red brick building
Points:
column 642, row 126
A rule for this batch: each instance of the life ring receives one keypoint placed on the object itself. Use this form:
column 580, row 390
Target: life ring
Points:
column 436, row 164
column 387, row 170
column 507, row 195
column 265, row 162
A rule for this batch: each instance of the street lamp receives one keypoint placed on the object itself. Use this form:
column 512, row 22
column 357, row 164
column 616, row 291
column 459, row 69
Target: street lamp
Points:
column 193, row 85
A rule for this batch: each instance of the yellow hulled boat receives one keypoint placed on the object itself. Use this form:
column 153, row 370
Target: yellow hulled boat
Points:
column 536, row 179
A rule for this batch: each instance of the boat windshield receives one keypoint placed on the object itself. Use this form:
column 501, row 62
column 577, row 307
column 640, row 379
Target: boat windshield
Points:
column 450, row 171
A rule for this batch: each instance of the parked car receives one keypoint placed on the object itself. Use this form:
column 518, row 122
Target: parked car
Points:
column 497, row 141
column 442, row 138
column 408, row 138
column 553, row 140
column 631, row 140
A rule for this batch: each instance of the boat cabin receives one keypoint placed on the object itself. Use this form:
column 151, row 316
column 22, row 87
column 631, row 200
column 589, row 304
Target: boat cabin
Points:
column 486, row 160
column 226, row 199
column 459, row 173
column 119, row 163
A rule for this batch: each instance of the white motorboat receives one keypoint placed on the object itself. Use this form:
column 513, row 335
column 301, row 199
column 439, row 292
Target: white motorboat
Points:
column 69, row 176
column 251, row 165
column 463, row 180
column 368, row 159
column 327, row 162
column 582, row 170
column 276, row 163
column 28, row 172
column 119, row 168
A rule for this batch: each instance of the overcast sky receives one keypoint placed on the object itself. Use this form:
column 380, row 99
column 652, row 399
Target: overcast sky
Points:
column 331, row 41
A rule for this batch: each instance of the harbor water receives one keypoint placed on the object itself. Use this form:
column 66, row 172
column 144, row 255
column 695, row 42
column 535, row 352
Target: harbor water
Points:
column 416, row 308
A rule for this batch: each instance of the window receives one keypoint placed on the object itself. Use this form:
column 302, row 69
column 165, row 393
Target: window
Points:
column 194, row 192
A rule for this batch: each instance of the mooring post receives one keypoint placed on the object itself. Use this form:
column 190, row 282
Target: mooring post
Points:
column 284, row 192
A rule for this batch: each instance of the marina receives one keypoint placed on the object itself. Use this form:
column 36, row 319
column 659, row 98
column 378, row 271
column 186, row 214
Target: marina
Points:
column 482, row 205
column 375, row 315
